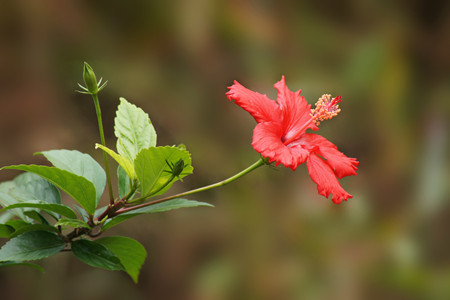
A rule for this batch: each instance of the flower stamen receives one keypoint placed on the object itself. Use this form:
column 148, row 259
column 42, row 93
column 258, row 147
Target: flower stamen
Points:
column 325, row 108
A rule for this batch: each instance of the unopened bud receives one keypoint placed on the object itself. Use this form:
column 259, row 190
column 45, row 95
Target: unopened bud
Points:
column 89, row 79
column 176, row 169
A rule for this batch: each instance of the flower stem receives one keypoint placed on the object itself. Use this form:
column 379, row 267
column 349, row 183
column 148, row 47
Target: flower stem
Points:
column 102, row 140
column 256, row 165
column 153, row 193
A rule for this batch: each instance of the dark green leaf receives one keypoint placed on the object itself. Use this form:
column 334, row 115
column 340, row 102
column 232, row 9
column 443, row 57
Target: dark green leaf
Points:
column 130, row 252
column 31, row 245
column 5, row 230
column 153, row 170
column 133, row 129
column 156, row 208
column 33, row 227
column 17, row 224
column 19, row 263
column 34, row 215
column 80, row 164
column 79, row 188
column 96, row 255
column 57, row 208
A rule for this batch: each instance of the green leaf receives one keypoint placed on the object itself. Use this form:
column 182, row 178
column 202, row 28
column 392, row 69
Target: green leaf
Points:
column 79, row 188
column 152, row 167
column 82, row 212
column 31, row 245
column 5, row 230
column 124, row 162
column 133, row 129
column 28, row 187
column 96, row 255
column 37, row 216
column 130, row 253
column 37, row 188
column 19, row 263
column 17, row 224
column 75, row 223
column 6, row 200
column 33, row 227
column 156, row 208
column 81, row 164
column 123, row 182
column 57, row 208
column 6, row 216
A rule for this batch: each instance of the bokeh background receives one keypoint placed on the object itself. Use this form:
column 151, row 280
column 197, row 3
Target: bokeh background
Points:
column 270, row 235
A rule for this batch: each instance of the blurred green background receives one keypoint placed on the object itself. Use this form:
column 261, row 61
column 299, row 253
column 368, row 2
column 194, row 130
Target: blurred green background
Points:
column 270, row 236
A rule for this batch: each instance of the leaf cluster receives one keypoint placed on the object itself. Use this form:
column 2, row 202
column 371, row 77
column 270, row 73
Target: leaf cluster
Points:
column 39, row 225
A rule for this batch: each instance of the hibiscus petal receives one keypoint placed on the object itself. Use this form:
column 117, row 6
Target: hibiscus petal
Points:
column 296, row 111
column 339, row 162
column 327, row 183
column 259, row 106
column 267, row 141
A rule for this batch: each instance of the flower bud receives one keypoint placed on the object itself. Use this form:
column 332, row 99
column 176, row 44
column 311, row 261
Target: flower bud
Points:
column 178, row 168
column 89, row 79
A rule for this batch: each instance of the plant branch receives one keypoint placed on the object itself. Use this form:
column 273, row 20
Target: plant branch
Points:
column 256, row 165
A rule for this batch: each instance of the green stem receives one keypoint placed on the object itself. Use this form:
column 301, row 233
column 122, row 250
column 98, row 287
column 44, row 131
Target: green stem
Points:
column 153, row 193
column 102, row 140
column 256, row 165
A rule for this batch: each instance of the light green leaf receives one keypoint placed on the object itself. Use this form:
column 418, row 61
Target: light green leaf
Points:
column 82, row 212
column 79, row 188
column 133, row 129
column 37, row 188
column 28, row 187
column 81, row 164
column 75, row 223
column 130, row 253
column 6, row 199
column 96, row 255
column 31, row 245
column 156, row 208
column 6, row 216
column 57, row 208
column 124, row 162
column 152, row 167
column 123, row 182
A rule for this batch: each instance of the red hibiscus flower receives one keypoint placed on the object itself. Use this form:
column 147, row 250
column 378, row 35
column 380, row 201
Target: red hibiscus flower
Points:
column 280, row 135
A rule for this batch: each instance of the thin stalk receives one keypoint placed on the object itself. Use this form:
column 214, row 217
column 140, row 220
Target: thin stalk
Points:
column 102, row 140
column 256, row 165
column 153, row 193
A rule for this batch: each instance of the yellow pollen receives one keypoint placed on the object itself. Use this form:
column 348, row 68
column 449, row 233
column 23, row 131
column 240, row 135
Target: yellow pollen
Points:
column 326, row 108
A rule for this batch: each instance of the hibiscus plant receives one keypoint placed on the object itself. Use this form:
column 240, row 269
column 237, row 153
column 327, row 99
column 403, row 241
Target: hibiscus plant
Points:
column 39, row 225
